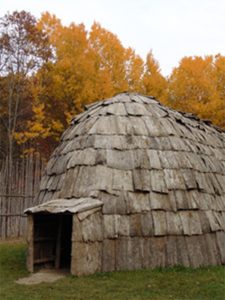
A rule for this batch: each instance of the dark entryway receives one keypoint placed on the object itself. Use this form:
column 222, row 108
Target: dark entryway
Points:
column 52, row 240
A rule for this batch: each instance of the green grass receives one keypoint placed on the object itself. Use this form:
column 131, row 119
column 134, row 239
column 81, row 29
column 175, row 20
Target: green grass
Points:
column 172, row 283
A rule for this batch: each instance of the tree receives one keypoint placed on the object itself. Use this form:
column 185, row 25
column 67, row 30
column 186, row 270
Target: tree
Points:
column 197, row 86
column 219, row 70
column 154, row 83
column 110, row 59
column 134, row 71
column 62, row 86
column 23, row 50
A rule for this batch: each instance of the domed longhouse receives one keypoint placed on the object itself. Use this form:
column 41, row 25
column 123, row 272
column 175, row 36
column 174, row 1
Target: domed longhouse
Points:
column 133, row 184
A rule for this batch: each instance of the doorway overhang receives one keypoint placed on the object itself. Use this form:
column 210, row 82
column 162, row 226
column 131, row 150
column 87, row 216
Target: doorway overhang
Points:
column 73, row 206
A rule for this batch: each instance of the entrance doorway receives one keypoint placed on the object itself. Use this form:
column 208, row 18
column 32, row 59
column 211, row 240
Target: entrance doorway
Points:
column 52, row 240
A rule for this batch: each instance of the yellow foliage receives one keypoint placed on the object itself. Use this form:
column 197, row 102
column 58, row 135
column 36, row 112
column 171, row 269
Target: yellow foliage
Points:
column 90, row 66
column 154, row 83
column 197, row 86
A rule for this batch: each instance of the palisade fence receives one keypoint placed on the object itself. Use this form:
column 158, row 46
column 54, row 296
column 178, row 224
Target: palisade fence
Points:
column 17, row 191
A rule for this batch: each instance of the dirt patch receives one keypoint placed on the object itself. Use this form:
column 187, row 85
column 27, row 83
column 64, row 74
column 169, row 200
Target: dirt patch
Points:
column 41, row 276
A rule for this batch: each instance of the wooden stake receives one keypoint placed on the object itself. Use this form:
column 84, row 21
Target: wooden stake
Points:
column 58, row 244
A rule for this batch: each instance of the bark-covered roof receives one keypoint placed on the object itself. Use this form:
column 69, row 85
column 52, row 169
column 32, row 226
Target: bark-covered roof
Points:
column 72, row 206
column 138, row 156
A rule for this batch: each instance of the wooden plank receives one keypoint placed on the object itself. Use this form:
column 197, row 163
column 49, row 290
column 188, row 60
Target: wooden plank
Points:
column 168, row 160
column 219, row 216
column 146, row 254
column 159, row 201
column 135, row 225
column 154, row 160
column 190, row 222
column 92, row 229
column 122, row 180
column 110, row 125
column 178, row 144
column 109, row 255
column 141, row 159
column 195, row 199
column 84, row 214
column 182, row 252
column 121, row 203
column 84, row 181
column 221, row 179
column 86, row 258
column 136, row 109
column 58, row 243
column 157, row 110
column 123, row 225
column 194, row 251
column 189, row 179
column 136, row 126
column 171, row 251
column 174, row 225
column 82, row 157
column 214, row 225
column 157, row 252
column 174, row 179
column 213, row 182
column 168, row 126
column 110, row 203
column 30, row 236
column 211, row 249
column 217, row 203
column 163, row 143
column 179, row 198
column 159, row 221
column 137, row 253
column 116, row 109
column 157, row 181
column 204, row 222
column 137, row 202
column 147, row 224
column 154, row 126
column 220, row 237
column 102, row 178
column 122, row 160
column 77, row 230
column 44, row 260
column 44, row 239
column 194, row 223
column 124, row 254
column 110, row 226
column 141, row 179
column 69, row 182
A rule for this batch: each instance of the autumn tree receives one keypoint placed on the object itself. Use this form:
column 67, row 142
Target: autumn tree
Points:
column 62, row 86
column 134, row 71
column 23, row 49
column 110, row 59
column 87, row 66
column 196, row 86
column 219, row 73
column 154, row 83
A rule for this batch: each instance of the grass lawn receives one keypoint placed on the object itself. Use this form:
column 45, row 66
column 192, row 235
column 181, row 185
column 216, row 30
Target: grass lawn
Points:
column 172, row 283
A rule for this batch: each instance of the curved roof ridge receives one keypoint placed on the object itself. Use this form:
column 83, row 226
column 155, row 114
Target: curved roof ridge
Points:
column 180, row 116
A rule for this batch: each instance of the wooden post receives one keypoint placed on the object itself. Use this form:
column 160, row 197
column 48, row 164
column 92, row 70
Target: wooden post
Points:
column 58, row 244
column 30, row 241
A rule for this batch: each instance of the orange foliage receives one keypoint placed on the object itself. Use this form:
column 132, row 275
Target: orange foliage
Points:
column 197, row 86
column 88, row 66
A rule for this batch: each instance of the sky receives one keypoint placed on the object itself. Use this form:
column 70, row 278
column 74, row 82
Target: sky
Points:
column 172, row 29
